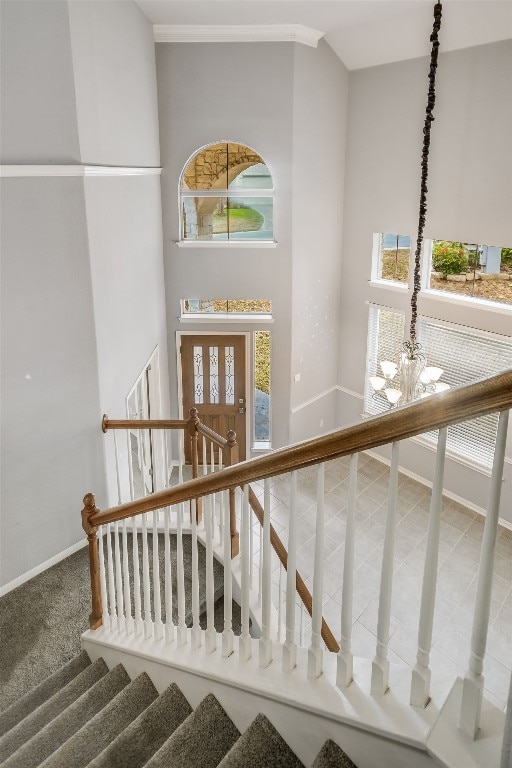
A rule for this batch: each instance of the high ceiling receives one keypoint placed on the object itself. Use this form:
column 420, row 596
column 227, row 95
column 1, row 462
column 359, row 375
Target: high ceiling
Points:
column 363, row 33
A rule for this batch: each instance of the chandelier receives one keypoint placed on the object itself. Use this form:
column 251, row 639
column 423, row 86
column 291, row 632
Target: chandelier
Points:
column 410, row 377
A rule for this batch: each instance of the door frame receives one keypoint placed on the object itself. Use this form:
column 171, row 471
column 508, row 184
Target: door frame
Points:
column 248, row 378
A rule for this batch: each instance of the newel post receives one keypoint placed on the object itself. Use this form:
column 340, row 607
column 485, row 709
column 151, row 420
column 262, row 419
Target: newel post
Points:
column 232, row 457
column 90, row 508
column 193, row 423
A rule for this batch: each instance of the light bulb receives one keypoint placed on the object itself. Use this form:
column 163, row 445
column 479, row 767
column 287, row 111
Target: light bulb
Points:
column 393, row 395
column 377, row 383
column 389, row 368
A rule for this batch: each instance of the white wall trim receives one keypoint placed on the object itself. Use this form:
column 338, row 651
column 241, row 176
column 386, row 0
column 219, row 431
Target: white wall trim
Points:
column 42, row 567
column 16, row 171
column 351, row 393
column 236, row 33
column 314, row 399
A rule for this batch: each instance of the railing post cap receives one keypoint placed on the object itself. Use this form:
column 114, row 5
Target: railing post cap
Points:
column 104, row 423
column 231, row 437
column 90, row 501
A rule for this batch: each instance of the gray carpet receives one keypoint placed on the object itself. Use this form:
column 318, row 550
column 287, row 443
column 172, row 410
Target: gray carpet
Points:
column 42, row 620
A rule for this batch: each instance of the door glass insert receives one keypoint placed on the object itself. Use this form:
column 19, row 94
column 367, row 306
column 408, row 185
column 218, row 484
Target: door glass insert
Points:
column 214, row 375
column 229, row 360
column 198, row 375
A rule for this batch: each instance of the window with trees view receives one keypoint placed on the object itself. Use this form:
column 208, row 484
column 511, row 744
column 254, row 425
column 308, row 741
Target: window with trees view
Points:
column 470, row 269
column 227, row 307
column 392, row 260
column 226, row 194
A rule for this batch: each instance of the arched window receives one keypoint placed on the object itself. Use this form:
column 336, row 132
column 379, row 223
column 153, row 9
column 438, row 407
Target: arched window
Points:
column 226, row 194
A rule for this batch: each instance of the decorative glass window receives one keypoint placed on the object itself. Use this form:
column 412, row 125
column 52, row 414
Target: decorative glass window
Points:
column 262, row 409
column 231, row 307
column 391, row 257
column 226, row 194
column 472, row 270
column 464, row 354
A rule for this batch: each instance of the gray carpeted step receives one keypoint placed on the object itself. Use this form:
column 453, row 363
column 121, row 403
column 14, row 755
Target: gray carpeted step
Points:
column 61, row 728
column 139, row 742
column 263, row 746
column 41, row 693
column 48, row 710
column 99, row 732
column 201, row 741
column 332, row 756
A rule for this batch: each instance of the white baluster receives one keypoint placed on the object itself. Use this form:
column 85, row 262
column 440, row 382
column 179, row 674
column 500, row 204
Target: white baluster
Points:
column 196, row 629
column 211, row 635
column 301, row 626
column 260, row 566
column 118, row 479
column 169, row 625
column 280, row 604
column 126, row 581
column 315, row 652
column 245, row 640
column 227, row 635
column 265, row 644
column 111, row 582
column 205, row 463
column 180, row 573
column 290, row 647
column 221, row 513
column 181, row 453
column 473, row 687
column 420, row 683
column 146, row 589
column 380, row 666
column 157, row 600
column 121, row 623
column 345, row 666
column 103, row 580
column 251, row 549
column 136, row 578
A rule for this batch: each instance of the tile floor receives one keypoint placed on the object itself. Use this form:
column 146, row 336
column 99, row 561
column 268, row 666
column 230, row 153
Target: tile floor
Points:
column 461, row 536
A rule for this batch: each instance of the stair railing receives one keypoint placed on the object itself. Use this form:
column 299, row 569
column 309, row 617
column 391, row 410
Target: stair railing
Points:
column 435, row 413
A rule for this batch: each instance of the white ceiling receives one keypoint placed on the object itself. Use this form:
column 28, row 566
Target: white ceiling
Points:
column 363, row 33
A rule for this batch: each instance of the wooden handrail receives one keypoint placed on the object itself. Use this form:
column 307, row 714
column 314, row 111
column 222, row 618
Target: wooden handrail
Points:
column 302, row 590
column 431, row 413
column 211, row 435
column 107, row 423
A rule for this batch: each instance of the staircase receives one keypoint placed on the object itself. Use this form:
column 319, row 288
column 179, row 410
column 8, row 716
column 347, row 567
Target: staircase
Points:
column 88, row 715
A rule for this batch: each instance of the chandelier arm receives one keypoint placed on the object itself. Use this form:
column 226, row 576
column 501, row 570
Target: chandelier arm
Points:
column 429, row 117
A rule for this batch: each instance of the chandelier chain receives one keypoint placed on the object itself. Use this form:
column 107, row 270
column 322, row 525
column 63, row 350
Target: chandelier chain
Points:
column 429, row 117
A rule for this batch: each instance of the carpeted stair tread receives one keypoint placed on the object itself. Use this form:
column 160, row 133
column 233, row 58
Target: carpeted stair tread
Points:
column 98, row 733
column 42, row 692
column 201, row 741
column 52, row 708
column 142, row 738
column 61, row 728
column 332, row 756
column 263, row 746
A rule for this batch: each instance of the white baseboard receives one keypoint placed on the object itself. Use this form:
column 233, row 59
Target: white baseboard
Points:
column 42, row 567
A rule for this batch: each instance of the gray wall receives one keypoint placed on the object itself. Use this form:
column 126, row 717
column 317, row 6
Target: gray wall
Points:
column 51, row 445
column 114, row 74
column 470, row 198
column 197, row 108
column 76, row 254
column 319, row 139
column 38, row 118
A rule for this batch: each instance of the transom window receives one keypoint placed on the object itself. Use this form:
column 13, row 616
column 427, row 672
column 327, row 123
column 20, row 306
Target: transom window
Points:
column 226, row 195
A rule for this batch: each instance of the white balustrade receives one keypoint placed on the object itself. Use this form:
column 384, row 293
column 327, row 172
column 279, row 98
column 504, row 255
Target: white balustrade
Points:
column 265, row 643
column 472, row 692
column 245, row 639
column 180, row 574
column 380, row 666
column 119, row 581
column 146, row 588
column 290, row 647
column 221, row 515
column 103, row 579
column 118, row 476
column 420, row 683
column 126, row 580
column 196, row 629
column 169, row 625
column 111, row 583
column 211, row 635
column 136, row 578
column 227, row 635
column 157, row 601
column 315, row 652
column 345, row 662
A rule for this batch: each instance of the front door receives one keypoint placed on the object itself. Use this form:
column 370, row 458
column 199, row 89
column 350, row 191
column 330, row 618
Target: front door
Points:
column 213, row 377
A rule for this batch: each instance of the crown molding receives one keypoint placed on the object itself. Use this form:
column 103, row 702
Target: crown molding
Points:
column 236, row 33
column 17, row 171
